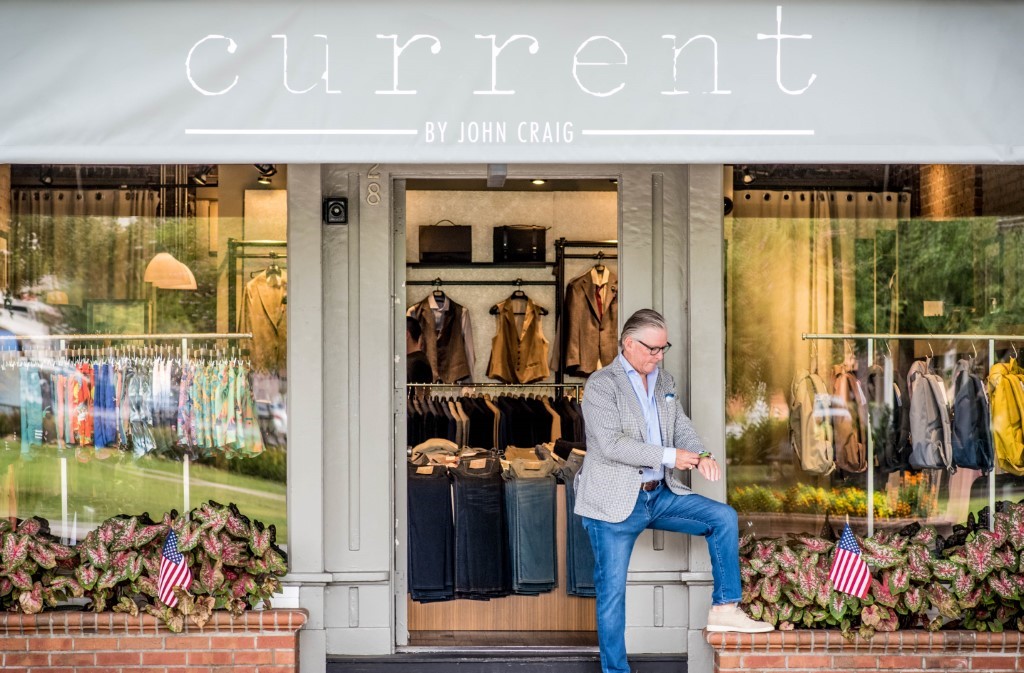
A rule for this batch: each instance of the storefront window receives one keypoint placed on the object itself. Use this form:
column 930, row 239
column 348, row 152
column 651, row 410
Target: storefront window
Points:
column 125, row 383
column 891, row 251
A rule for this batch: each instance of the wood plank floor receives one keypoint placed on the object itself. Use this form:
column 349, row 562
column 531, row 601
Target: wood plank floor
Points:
column 466, row 639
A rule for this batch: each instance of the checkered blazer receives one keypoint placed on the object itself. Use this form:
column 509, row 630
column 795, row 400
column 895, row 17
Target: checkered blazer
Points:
column 617, row 448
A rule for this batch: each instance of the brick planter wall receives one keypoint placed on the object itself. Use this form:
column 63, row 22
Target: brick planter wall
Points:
column 906, row 651
column 79, row 642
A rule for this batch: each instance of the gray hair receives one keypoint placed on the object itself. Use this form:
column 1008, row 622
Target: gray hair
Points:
column 642, row 319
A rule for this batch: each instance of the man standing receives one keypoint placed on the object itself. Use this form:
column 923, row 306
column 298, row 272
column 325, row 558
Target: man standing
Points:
column 639, row 441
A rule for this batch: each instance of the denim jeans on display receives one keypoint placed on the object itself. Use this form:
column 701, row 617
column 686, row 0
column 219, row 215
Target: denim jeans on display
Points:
column 481, row 538
column 579, row 558
column 431, row 534
column 530, row 490
column 613, row 543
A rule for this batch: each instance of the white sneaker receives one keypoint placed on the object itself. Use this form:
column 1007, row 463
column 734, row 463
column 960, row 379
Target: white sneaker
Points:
column 734, row 619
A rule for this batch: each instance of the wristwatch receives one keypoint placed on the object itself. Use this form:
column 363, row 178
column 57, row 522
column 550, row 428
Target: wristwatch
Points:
column 706, row 454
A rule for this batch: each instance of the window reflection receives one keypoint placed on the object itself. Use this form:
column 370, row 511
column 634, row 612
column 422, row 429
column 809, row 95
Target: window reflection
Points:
column 861, row 249
column 94, row 427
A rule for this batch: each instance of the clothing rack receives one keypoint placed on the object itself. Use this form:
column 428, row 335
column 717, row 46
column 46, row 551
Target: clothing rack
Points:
column 236, row 252
column 561, row 255
column 183, row 337
column 458, row 386
column 517, row 281
column 871, row 338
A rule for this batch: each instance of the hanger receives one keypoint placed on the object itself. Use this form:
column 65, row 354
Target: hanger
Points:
column 273, row 269
column 599, row 267
column 519, row 294
column 438, row 293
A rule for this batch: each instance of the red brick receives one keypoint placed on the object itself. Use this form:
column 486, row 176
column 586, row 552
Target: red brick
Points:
column 180, row 642
column 86, row 643
column 258, row 657
column 275, row 642
column 947, row 663
column 13, row 644
column 141, row 643
column 758, row 661
column 277, row 669
column 61, row 669
column 98, row 669
column 1005, row 663
column 284, row 656
column 727, row 662
column 210, row 657
column 809, row 661
column 78, row 659
column 229, row 642
column 26, row 659
column 118, row 658
column 158, row 658
column 38, row 644
column 853, row 662
column 903, row 663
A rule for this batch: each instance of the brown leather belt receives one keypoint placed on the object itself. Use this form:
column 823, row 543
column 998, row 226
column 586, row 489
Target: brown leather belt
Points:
column 650, row 485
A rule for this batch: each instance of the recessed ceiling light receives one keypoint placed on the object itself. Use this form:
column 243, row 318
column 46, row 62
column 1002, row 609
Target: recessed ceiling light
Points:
column 539, row 181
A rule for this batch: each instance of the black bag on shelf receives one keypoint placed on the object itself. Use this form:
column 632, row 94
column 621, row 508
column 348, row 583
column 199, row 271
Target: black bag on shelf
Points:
column 520, row 243
column 449, row 244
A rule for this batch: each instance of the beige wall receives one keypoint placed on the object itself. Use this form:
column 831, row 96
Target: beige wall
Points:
column 571, row 215
column 233, row 181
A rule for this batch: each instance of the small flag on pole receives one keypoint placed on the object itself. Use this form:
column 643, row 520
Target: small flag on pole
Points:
column 174, row 572
column 849, row 574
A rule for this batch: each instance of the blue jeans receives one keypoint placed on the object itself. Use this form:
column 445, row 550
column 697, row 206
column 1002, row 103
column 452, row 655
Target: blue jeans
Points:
column 613, row 543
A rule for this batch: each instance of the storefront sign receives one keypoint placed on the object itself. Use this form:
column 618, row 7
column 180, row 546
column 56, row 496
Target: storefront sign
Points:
column 457, row 81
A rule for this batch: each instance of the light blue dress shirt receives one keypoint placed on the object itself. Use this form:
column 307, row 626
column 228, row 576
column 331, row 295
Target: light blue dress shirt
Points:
column 649, row 406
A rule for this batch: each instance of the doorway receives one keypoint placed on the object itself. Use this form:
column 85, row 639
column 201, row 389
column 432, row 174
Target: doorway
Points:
column 446, row 247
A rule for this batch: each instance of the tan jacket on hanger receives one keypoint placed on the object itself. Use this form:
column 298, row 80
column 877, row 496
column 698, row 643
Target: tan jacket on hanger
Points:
column 518, row 354
column 264, row 314
column 591, row 329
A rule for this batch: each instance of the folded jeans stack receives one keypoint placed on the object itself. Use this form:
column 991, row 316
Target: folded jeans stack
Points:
column 530, row 490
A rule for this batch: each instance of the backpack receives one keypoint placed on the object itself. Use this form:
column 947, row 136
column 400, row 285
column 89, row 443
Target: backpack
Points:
column 891, row 420
column 809, row 428
column 849, row 422
column 930, row 434
column 972, row 436
column 1006, row 388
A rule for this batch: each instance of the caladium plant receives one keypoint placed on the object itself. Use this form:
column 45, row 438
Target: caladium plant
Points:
column 235, row 564
column 972, row 579
column 35, row 568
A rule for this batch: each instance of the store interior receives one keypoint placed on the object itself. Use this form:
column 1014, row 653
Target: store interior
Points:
column 524, row 348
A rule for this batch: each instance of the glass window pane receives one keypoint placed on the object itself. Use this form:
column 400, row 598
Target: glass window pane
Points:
column 100, row 416
column 901, row 250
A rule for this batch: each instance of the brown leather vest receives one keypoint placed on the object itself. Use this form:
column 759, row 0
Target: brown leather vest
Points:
column 518, row 357
column 446, row 350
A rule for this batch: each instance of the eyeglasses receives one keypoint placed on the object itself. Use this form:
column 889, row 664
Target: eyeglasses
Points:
column 655, row 349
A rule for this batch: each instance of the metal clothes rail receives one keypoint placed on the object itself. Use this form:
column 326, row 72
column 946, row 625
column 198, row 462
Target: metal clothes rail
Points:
column 560, row 256
column 871, row 338
column 516, row 282
column 184, row 337
column 530, row 386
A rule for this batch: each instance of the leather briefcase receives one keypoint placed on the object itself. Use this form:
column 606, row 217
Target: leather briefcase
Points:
column 520, row 243
column 450, row 244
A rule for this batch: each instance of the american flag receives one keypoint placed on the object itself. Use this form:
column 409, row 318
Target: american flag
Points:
column 174, row 571
column 849, row 574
